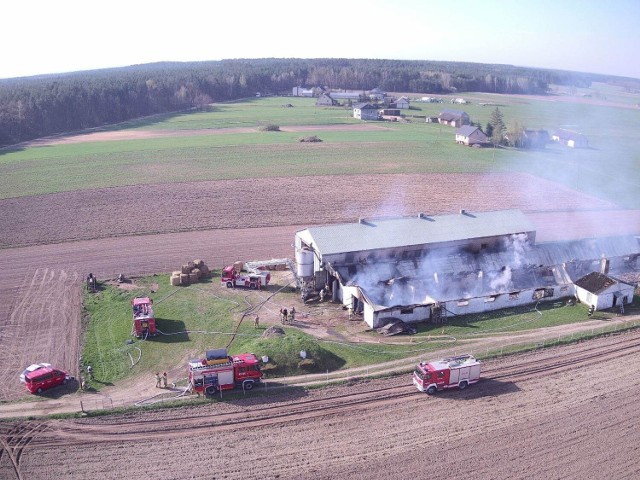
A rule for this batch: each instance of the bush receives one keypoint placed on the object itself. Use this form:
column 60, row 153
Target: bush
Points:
column 270, row 128
column 311, row 138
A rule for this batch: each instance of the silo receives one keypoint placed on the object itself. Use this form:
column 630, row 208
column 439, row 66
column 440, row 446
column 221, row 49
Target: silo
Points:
column 304, row 263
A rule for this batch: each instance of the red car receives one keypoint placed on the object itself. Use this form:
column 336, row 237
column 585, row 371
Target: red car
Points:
column 44, row 378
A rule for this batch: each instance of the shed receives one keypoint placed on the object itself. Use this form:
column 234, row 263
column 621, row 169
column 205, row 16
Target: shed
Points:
column 402, row 102
column 570, row 139
column 603, row 291
column 454, row 118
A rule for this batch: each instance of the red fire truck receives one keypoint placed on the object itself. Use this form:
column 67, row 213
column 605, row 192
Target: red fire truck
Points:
column 232, row 277
column 219, row 371
column 460, row 371
column 144, row 322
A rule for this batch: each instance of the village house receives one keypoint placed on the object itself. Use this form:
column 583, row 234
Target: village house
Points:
column 471, row 136
column 365, row 111
column 453, row 118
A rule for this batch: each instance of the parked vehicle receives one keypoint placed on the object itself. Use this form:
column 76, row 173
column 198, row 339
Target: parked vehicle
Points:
column 219, row 371
column 32, row 368
column 44, row 378
column 460, row 371
column 144, row 321
column 233, row 277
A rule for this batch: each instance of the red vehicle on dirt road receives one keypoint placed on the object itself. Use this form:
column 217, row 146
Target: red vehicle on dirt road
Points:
column 232, row 277
column 460, row 371
column 219, row 371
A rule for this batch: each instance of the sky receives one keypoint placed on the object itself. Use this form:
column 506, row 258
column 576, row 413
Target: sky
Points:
column 42, row 36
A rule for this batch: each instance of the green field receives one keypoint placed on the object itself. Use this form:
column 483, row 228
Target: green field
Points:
column 198, row 317
column 610, row 168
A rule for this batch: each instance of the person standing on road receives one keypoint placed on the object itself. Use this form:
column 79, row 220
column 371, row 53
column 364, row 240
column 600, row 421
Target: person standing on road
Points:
column 292, row 315
column 158, row 380
column 164, row 380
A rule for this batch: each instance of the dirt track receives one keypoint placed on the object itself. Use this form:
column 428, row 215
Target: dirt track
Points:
column 543, row 415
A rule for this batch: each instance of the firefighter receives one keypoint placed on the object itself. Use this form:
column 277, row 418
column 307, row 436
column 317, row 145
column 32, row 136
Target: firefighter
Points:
column 90, row 371
column 322, row 295
column 164, row 380
column 256, row 321
column 158, row 380
column 285, row 316
column 350, row 313
column 292, row 314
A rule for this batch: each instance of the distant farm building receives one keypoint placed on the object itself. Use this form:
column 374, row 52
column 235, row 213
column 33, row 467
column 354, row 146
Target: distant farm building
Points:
column 426, row 268
column 402, row 103
column 365, row 111
column 570, row 139
column 325, row 100
column 394, row 112
column 471, row 136
column 377, row 95
column 353, row 96
column 453, row 118
column 533, row 139
column 302, row 92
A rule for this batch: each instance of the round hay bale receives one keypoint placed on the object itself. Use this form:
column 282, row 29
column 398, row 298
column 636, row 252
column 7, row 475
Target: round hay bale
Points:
column 184, row 279
column 185, row 269
column 205, row 270
column 193, row 278
column 174, row 280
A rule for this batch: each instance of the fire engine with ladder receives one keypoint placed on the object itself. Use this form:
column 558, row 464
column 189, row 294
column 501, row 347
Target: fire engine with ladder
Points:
column 144, row 321
column 220, row 371
column 459, row 371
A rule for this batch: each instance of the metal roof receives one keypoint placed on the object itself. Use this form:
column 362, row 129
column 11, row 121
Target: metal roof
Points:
column 378, row 234
column 466, row 130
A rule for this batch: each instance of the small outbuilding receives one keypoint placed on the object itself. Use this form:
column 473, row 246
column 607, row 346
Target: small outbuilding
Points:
column 603, row 292
column 570, row 139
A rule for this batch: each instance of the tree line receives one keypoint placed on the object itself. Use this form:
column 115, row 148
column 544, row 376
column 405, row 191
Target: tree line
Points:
column 33, row 107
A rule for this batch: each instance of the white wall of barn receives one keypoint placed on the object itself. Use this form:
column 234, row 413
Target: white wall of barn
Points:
column 604, row 300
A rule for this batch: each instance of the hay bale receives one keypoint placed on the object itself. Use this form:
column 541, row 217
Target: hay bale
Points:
column 191, row 265
column 174, row 280
column 205, row 270
column 176, row 273
column 198, row 263
column 184, row 279
column 185, row 270
column 197, row 272
column 193, row 278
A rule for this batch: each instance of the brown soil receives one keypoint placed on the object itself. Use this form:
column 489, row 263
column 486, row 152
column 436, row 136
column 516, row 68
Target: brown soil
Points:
column 538, row 422
column 542, row 415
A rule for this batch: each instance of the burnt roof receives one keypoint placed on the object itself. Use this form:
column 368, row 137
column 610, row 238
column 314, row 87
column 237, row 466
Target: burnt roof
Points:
column 595, row 282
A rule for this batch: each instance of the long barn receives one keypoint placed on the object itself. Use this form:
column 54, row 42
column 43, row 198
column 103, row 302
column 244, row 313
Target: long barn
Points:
column 424, row 268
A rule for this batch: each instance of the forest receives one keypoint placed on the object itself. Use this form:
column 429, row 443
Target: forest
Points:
column 33, row 107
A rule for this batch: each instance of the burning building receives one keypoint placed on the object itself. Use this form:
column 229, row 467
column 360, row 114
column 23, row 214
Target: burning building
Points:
column 424, row 268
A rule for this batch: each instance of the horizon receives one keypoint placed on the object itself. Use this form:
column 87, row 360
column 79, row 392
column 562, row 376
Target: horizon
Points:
column 573, row 36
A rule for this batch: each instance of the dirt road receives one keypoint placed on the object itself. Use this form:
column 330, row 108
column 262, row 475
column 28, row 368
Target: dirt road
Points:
column 541, row 415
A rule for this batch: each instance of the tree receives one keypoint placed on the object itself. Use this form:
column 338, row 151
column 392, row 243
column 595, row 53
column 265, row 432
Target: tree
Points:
column 498, row 127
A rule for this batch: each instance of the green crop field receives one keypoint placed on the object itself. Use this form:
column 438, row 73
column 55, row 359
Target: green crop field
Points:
column 610, row 168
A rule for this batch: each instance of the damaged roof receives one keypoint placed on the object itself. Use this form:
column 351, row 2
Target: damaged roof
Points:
column 375, row 234
column 595, row 282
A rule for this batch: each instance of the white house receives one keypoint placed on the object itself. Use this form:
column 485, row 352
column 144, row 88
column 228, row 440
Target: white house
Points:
column 365, row 111
column 470, row 136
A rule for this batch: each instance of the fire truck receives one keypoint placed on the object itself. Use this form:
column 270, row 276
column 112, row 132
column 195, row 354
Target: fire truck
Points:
column 220, row 371
column 233, row 277
column 460, row 371
column 144, row 322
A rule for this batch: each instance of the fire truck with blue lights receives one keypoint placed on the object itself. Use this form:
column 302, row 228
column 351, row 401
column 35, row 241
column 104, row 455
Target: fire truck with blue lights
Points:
column 459, row 371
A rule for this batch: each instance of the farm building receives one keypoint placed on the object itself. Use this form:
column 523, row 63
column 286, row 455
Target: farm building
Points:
column 602, row 291
column 570, row 139
column 424, row 268
column 470, row 136
column 302, row 92
column 365, row 111
column 454, row 118
column 325, row 100
column 377, row 95
column 402, row 102
column 353, row 96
